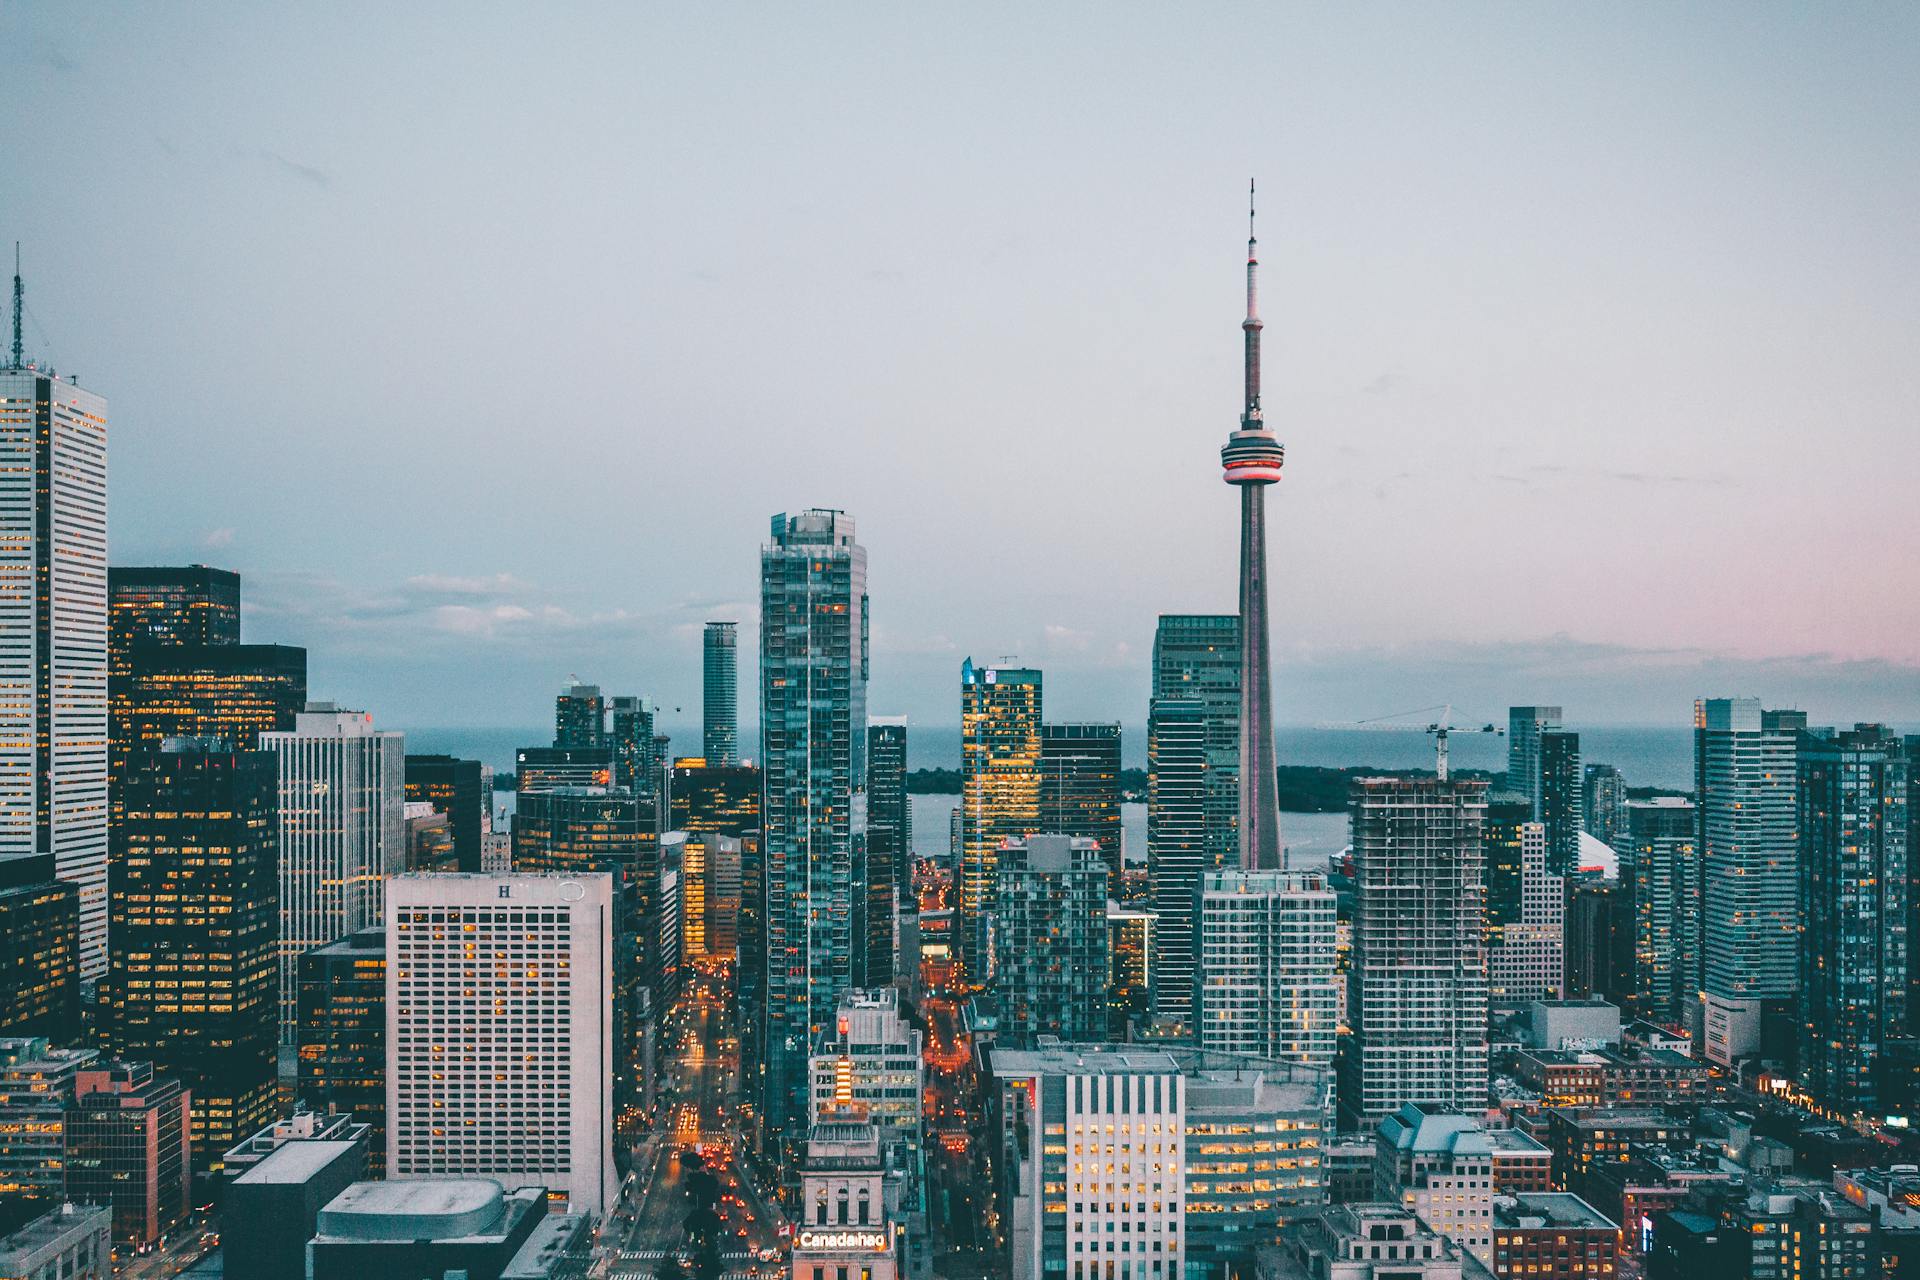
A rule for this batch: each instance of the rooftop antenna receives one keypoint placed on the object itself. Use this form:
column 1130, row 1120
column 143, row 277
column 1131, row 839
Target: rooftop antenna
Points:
column 19, row 308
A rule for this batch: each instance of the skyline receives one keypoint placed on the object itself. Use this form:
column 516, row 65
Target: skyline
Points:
column 1539, row 349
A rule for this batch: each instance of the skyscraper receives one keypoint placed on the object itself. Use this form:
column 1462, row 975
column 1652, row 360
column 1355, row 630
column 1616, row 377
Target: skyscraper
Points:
column 1503, row 864
column 39, row 953
column 1527, row 959
column 1660, row 876
column 192, row 978
column 453, row 787
column 170, row 605
column 1250, row 462
column 1744, row 783
column 580, row 717
column 1854, row 951
column 1193, row 785
column 529, row 957
column 53, row 646
column 342, row 1034
column 1604, row 791
column 637, row 760
column 1524, row 727
column 233, row 692
column 1561, row 809
column 999, row 794
column 342, row 833
column 1417, row 977
column 1080, row 788
column 587, row 830
column 889, row 815
column 1051, row 930
column 813, row 715
column 720, row 694
column 1266, row 978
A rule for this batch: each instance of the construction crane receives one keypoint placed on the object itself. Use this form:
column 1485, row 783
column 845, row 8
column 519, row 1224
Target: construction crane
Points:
column 1440, row 728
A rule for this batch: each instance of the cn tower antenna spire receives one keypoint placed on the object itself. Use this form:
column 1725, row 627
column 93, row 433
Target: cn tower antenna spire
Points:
column 1251, row 326
column 19, row 308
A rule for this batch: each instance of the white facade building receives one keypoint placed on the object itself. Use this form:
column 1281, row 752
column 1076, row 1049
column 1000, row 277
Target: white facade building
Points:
column 1266, row 969
column 342, row 833
column 53, row 640
column 1438, row 1165
column 872, row 1068
column 1528, row 962
column 844, row 1232
column 499, row 1043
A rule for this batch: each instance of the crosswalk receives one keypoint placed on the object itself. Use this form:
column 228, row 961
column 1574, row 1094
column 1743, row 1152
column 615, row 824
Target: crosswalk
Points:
column 654, row 1255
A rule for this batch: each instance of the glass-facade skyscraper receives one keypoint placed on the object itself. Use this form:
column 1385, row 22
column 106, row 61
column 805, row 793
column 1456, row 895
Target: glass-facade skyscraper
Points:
column 1854, row 887
column 1561, row 808
column 813, row 717
column 1661, row 880
column 1744, row 783
column 1080, row 788
column 720, row 694
column 1193, row 785
column 1524, row 727
column 1000, row 717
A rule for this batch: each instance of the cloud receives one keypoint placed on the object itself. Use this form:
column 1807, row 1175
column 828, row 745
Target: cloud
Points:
column 318, row 177
column 1553, row 470
column 1386, row 383
column 217, row 538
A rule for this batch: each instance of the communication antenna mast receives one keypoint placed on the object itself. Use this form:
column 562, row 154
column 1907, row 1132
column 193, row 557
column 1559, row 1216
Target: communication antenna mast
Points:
column 19, row 311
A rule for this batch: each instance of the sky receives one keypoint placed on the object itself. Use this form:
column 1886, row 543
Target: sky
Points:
column 483, row 340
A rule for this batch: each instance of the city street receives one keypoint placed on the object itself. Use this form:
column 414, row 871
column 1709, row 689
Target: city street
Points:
column 646, row 1231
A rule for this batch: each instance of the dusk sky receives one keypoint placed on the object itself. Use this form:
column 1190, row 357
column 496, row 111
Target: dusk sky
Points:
column 484, row 341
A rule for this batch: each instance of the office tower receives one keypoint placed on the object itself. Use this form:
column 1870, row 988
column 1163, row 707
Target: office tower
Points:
column 1438, row 1162
column 1266, row 978
column 1503, row 869
column 39, row 951
column 1130, row 944
column 1744, row 782
column 1080, row 788
column 889, row 814
column 53, row 649
column 1527, row 959
column 1911, row 743
column 1524, row 727
column 1050, row 925
column 429, row 839
column 636, row 755
column 176, row 605
column 843, row 1225
column 1561, row 808
column 457, row 789
column 1599, row 941
column 342, row 1034
column 342, row 833
column 580, row 717
column 1854, row 869
column 528, row 958
column 580, row 831
column 1250, row 462
column 719, row 693
column 709, row 895
column 129, row 1141
column 233, row 692
column 999, row 795
column 544, row 768
column 1417, row 977
column 813, row 713
column 1125, row 1202
column 1661, row 883
column 873, row 905
column 1604, row 792
column 270, row 1212
column 870, row 1067
column 193, row 966
column 1193, row 785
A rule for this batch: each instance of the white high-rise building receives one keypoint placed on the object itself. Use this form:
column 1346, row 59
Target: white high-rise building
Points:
column 342, row 833
column 1527, row 963
column 1266, row 968
column 499, row 1045
column 53, row 640
column 1417, row 978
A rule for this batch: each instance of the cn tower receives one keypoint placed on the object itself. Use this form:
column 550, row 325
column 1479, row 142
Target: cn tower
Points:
column 1251, row 460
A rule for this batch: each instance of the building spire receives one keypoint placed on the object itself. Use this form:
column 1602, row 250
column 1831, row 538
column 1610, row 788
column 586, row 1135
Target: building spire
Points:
column 1251, row 325
column 19, row 309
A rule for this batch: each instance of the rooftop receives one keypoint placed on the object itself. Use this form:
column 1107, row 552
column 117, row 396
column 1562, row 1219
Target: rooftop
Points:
column 416, row 1209
column 1549, row 1209
column 17, row 1250
column 1432, row 1130
column 295, row 1162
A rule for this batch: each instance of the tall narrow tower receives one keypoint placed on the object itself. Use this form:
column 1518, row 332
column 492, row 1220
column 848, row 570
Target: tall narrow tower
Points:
column 1251, row 460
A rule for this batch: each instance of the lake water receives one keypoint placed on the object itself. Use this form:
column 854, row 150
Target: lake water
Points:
column 1311, row 838
column 1658, row 756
